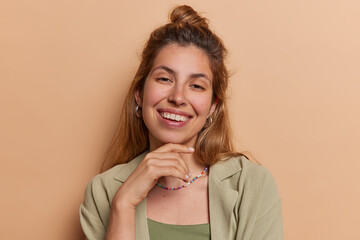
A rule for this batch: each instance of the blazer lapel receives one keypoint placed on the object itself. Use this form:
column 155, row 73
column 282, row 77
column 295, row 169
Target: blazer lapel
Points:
column 222, row 199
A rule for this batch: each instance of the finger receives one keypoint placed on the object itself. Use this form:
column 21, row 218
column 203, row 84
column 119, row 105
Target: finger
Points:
column 173, row 147
column 152, row 164
column 163, row 156
column 173, row 171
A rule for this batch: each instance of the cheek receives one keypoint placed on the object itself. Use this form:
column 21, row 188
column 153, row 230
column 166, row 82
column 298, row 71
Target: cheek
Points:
column 201, row 105
column 152, row 95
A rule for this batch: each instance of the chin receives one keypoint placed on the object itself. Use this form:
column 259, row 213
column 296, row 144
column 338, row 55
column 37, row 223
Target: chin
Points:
column 174, row 138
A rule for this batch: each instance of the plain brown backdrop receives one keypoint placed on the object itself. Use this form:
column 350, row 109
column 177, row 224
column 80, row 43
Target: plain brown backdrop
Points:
column 294, row 103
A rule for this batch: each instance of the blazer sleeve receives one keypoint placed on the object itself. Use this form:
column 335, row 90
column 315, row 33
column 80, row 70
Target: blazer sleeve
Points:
column 94, row 211
column 268, row 224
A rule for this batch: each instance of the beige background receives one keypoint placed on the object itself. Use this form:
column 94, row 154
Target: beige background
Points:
column 294, row 101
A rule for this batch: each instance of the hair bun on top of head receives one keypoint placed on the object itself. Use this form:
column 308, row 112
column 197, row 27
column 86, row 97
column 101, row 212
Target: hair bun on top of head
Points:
column 186, row 14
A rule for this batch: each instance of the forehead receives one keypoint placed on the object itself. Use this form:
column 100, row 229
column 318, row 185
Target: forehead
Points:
column 183, row 59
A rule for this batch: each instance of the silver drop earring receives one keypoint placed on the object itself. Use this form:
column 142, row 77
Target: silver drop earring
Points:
column 209, row 121
column 138, row 111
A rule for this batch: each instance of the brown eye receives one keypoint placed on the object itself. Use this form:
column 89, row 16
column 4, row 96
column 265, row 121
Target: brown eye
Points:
column 198, row 87
column 163, row 79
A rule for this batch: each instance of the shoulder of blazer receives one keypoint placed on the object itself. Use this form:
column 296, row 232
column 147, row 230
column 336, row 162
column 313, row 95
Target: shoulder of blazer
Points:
column 239, row 172
column 228, row 167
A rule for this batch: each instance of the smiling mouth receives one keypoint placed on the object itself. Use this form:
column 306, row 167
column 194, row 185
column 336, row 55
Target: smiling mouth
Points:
column 174, row 117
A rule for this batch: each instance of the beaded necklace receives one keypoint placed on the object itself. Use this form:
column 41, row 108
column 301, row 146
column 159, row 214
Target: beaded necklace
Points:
column 186, row 184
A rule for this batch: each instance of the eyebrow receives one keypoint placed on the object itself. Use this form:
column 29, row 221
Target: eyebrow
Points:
column 174, row 73
column 165, row 68
column 200, row 75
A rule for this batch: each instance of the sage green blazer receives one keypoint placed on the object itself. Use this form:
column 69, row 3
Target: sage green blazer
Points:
column 243, row 199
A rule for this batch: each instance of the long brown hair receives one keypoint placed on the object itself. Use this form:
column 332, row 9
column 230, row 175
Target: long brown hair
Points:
column 214, row 142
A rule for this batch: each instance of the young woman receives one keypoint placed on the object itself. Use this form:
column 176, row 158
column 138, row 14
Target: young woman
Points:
column 172, row 172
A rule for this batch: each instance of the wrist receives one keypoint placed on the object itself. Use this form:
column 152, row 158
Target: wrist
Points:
column 121, row 220
column 121, row 203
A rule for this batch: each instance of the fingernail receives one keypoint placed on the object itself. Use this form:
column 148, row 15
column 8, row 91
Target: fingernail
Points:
column 186, row 176
column 191, row 149
column 189, row 174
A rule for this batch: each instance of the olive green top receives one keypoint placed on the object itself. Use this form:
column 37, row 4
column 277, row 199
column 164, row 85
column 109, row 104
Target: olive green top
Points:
column 244, row 203
column 164, row 231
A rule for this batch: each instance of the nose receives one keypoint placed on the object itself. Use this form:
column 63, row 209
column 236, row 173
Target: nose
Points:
column 178, row 96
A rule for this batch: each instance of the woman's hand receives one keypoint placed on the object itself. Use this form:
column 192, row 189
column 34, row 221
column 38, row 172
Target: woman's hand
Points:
column 164, row 161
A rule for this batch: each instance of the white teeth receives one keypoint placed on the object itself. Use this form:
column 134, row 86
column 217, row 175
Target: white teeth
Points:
column 175, row 117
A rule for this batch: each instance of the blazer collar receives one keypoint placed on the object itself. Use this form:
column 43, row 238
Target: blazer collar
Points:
column 225, row 169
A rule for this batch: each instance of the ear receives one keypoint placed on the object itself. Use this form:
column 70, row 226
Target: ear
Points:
column 138, row 98
column 213, row 106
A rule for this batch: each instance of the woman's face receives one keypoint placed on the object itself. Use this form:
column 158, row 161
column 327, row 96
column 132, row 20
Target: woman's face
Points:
column 177, row 95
